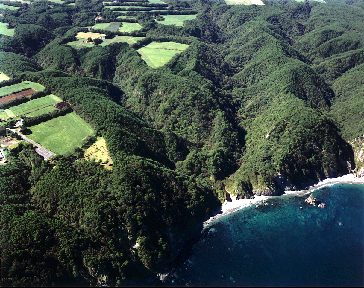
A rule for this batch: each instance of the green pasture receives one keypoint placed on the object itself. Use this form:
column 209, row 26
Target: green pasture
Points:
column 79, row 44
column 4, row 30
column 63, row 134
column 157, row 54
column 31, row 108
column 176, row 20
column 156, row 2
column 111, row 26
column 129, row 27
column 19, row 87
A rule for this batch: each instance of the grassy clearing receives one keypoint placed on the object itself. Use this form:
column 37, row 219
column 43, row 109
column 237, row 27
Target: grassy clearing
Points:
column 31, row 108
column 3, row 77
column 129, row 27
column 7, row 90
column 156, row 2
column 117, row 39
column 98, row 152
column 111, row 26
column 61, row 135
column 157, row 54
column 8, row 7
column 124, row 8
column 244, row 2
column 176, row 20
column 57, row 1
column 4, row 30
column 125, row 17
column 87, row 35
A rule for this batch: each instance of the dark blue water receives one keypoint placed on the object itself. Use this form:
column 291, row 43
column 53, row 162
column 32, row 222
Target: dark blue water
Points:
column 286, row 242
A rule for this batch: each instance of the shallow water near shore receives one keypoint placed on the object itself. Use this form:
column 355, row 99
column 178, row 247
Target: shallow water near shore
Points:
column 283, row 241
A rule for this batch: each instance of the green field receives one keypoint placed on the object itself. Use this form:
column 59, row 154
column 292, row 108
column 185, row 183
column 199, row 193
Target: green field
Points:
column 4, row 30
column 57, row 1
column 111, row 26
column 244, row 2
column 8, row 7
column 157, row 54
column 19, row 87
column 63, row 134
column 78, row 44
column 123, row 17
column 130, row 27
column 125, row 8
column 156, row 2
column 31, row 108
column 176, row 20
column 3, row 77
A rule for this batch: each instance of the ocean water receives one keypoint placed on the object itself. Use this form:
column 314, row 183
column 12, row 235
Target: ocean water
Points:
column 283, row 242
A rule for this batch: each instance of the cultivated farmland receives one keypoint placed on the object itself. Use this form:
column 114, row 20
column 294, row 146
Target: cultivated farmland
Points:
column 63, row 134
column 157, row 54
column 87, row 35
column 7, row 90
column 177, row 20
column 129, row 27
column 112, row 26
column 31, row 108
column 4, row 30
column 78, row 44
column 244, row 2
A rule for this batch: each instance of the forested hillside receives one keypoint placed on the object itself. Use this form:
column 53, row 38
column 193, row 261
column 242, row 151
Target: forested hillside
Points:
column 246, row 100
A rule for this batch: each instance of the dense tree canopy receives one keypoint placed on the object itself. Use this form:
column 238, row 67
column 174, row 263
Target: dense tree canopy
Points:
column 259, row 102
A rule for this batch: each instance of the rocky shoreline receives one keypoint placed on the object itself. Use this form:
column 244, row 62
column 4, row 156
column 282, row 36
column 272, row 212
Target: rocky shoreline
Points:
column 229, row 207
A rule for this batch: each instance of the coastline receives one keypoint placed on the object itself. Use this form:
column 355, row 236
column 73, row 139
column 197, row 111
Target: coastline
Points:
column 236, row 205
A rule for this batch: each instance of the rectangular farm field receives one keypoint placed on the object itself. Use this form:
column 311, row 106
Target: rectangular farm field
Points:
column 63, row 134
column 31, row 108
column 7, row 90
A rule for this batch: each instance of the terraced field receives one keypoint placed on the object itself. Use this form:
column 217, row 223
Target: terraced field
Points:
column 4, row 30
column 31, row 108
column 244, row 2
column 7, row 90
column 176, row 20
column 79, row 44
column 112, row 26
column 63, row 134
column 118, row 26
column 130, row 27
column 157, row 54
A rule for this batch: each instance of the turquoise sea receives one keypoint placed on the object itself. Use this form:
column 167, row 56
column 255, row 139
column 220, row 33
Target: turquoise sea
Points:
column 283, row 242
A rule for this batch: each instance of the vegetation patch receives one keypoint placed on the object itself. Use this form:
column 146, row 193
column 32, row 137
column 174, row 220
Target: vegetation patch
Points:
column 78, row 44
column 156, row 2
column 4, row 30
column 111, row 26
column 3, row 77
column 87, row 35
column 129, row 27
column 7, row 90
column 176, row 20
column 8, row 7
column 98, row 152
column 62, row 135
column 157, row 54
column 31, row 108
column 244, row 2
